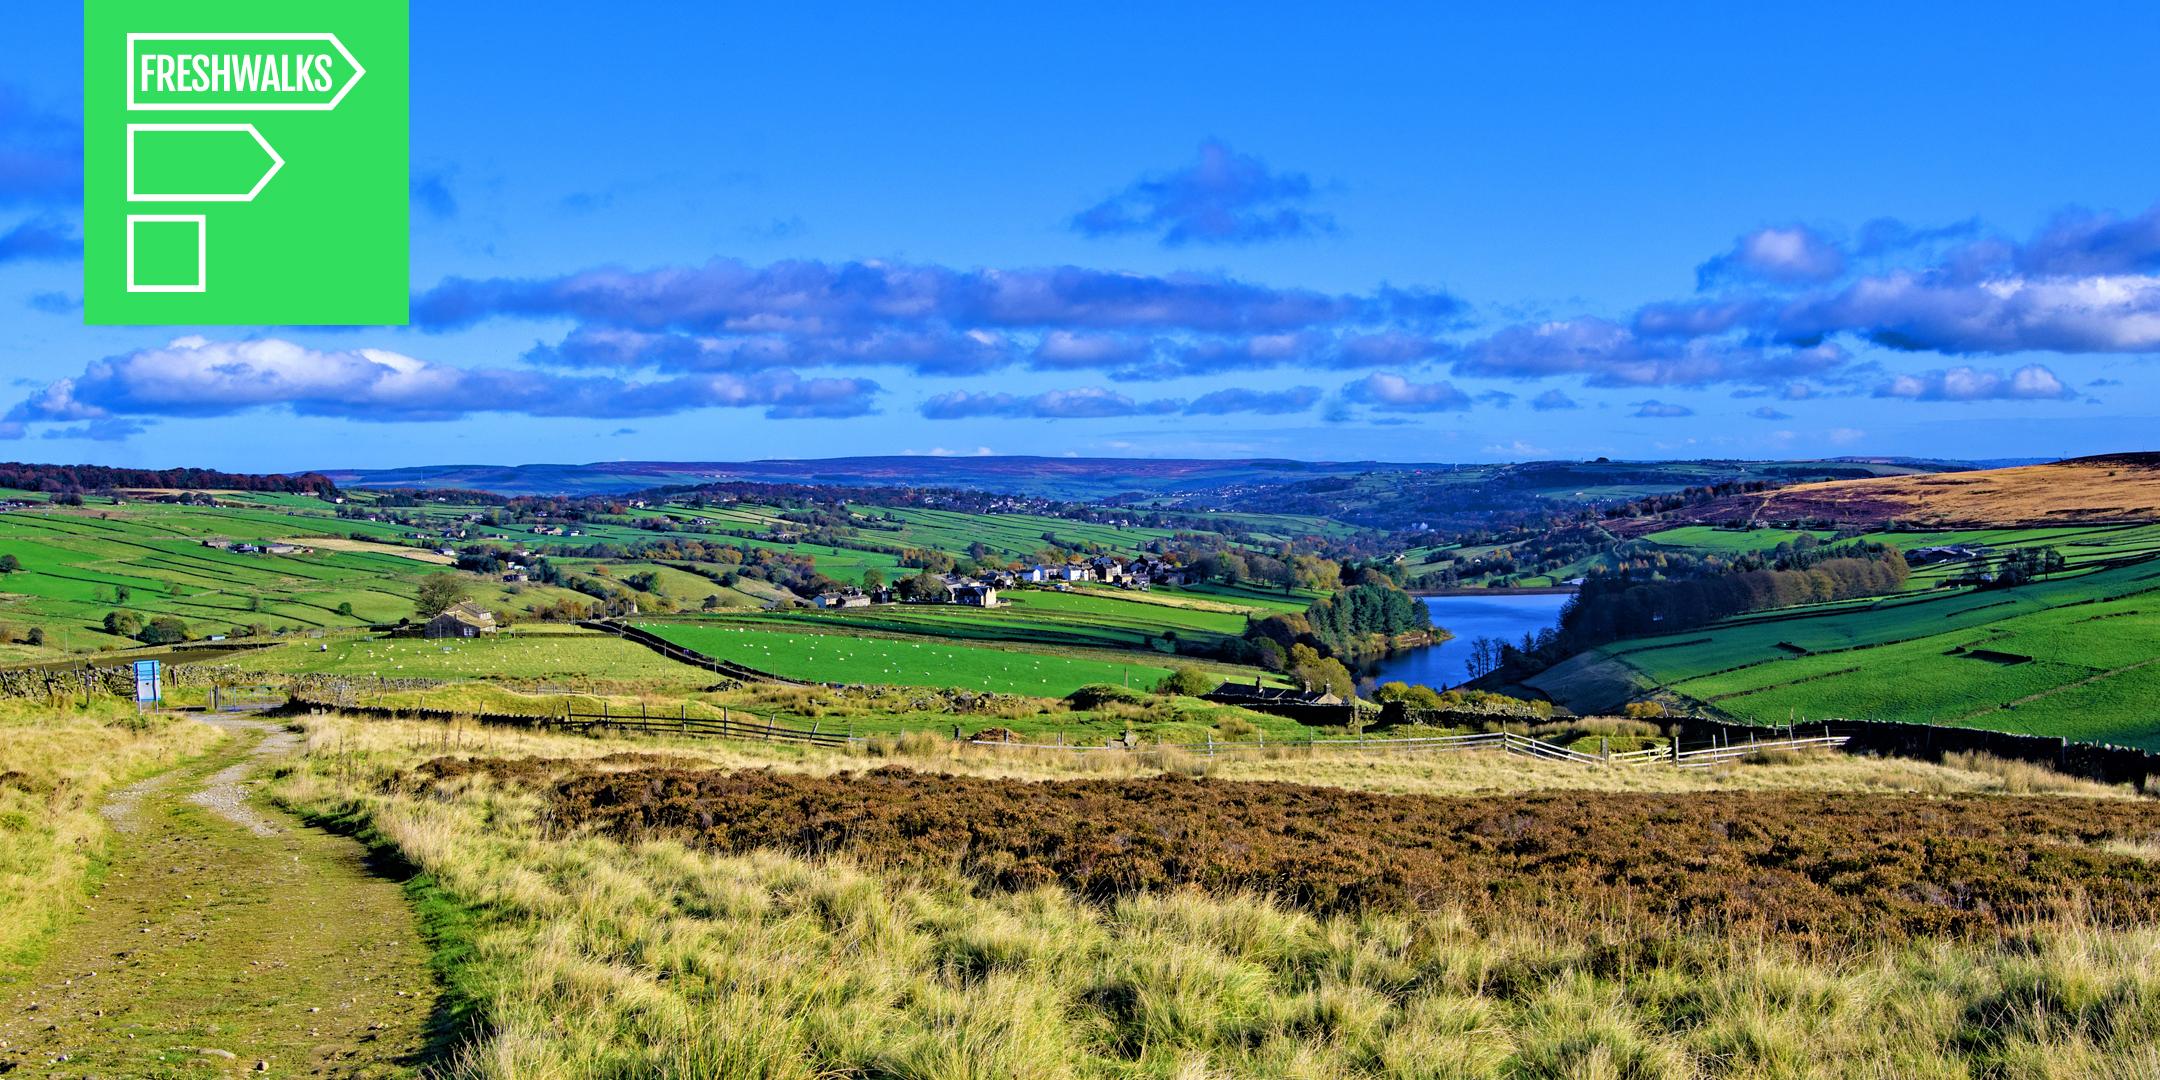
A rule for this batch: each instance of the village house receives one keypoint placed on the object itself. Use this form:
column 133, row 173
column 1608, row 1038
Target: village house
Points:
column 976, row 595
column 1077, row 572
column 1928, row 556
column 460, row 621
column 830, row 601
column 1241, row 694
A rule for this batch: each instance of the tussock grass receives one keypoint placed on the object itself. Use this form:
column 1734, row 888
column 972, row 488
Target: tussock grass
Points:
column 2017, row 777
column 600, row 958
column 56, row 767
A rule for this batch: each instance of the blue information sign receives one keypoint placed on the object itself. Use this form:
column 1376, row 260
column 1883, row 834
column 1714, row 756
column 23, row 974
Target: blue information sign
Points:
column 146, row 681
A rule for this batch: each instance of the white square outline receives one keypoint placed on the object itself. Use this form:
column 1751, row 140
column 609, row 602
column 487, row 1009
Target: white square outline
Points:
column 202, row 253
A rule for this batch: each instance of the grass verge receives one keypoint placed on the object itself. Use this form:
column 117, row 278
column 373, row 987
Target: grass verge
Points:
column 56, row 769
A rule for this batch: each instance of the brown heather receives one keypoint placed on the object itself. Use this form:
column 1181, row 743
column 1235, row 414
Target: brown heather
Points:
column 1816, row 869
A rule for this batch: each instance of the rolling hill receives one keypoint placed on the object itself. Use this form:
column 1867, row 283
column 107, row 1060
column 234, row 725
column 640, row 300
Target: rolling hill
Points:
column 2093, row 490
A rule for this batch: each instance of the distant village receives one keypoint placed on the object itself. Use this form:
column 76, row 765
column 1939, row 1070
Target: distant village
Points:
column 981, row 589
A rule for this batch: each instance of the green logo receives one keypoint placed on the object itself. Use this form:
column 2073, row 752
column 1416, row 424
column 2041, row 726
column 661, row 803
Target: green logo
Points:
column 244, row 162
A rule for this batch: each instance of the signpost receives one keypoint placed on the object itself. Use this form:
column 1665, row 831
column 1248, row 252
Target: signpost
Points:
column 245, row 162
column 148, row 688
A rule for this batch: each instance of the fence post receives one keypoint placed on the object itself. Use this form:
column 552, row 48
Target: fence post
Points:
column 1604, row 749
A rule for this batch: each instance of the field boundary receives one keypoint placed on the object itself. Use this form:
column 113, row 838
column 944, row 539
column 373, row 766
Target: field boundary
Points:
column 1719, row 749
column 692, row 657
column 2104, row 762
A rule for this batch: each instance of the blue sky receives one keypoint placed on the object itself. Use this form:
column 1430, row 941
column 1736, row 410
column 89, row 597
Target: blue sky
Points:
column 694, row 232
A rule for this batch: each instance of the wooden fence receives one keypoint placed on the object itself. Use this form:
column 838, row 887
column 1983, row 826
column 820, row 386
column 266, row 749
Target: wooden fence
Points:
column 644, row 721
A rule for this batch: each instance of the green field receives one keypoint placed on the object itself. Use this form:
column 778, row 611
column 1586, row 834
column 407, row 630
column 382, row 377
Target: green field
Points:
column 896, row 661
column 119, row 553
column 1094, row 618
column 2073, row 657
column 2080, row 545
column 553, row 655
column 76, row 564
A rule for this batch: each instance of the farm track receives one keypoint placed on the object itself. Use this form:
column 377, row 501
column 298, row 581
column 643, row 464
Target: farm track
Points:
column 225, row 937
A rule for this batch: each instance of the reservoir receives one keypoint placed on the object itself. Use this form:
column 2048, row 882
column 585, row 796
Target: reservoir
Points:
column 1468, row 618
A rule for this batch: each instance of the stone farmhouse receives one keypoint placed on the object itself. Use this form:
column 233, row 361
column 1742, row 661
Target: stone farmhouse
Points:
column 460, row 621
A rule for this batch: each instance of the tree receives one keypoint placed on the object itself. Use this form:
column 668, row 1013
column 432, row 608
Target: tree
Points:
column 1484, row 658
column 439, row 593
column 345, row 609
column 163, row 630
column 36, row 636
column 872, row 580
column 123, row 623
column 1319, row 672
column 9, row 564
column 926, row 587
column 1186, row 681
column 711, row 602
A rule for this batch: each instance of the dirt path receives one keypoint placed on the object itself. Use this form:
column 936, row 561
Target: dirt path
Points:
column 226, row 938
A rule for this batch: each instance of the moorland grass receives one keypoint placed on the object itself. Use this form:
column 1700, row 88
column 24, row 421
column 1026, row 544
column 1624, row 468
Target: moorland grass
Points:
column 599, row 957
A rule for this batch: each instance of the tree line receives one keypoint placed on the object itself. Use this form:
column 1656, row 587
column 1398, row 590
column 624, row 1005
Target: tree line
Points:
column 56, row 479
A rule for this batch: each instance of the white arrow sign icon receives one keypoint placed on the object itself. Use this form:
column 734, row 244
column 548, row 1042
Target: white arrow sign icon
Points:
column 135, row 194
column 135, row 105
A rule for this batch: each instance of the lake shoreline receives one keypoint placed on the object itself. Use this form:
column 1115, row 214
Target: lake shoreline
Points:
column 1533, row 590
column 1464, row 616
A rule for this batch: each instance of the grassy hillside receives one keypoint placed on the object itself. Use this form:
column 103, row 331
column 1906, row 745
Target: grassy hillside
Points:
column 905, row 661
column 2123, row 487
column 79, row 564
column 368, row 554
column 2062, row 657
column 1039, row 616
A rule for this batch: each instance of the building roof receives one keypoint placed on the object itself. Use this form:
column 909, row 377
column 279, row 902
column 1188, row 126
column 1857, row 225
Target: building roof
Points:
column 468, row 612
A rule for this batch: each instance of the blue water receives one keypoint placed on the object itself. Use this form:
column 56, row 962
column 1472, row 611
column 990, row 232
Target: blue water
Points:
column 1468, row 618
